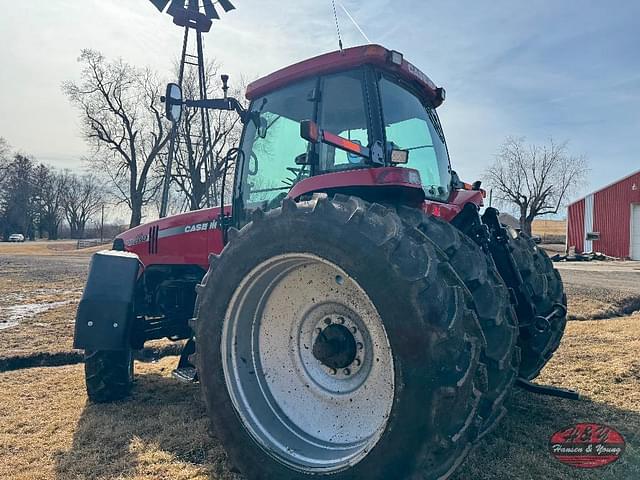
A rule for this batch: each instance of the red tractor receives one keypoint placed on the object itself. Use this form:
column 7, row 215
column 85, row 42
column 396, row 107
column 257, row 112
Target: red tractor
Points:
column 351, row 314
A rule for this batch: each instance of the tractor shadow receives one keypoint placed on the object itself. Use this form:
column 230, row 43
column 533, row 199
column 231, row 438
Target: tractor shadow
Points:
column 518, row 447
column 161, row 431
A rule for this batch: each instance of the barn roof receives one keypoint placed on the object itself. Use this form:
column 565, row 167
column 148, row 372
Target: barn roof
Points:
column 605, row 187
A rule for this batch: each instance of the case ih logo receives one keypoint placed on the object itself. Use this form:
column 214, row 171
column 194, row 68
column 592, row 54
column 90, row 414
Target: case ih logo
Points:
column 200, row 227
column 587, row 445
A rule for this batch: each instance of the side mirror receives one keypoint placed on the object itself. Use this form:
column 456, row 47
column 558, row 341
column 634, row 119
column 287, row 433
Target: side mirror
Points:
column 173, row 102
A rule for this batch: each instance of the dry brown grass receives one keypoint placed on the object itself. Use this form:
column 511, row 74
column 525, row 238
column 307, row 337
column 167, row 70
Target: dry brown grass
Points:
column 599, row 359
column 549, row 227
column 49, row 431
column 44, row 247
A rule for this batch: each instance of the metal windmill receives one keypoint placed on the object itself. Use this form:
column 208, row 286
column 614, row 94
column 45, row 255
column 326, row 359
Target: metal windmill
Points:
column 196, row 16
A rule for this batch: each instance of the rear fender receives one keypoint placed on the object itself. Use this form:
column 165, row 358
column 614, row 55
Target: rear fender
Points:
column 106, row 312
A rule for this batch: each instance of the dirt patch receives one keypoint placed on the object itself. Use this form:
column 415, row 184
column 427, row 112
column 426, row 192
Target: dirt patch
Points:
column 584, row 307
column 38, row 301
column 595, row 302
column 600, row 290
column 50, row 332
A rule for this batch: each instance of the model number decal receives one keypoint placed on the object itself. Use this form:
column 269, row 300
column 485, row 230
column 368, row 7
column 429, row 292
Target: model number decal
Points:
column 143, row 237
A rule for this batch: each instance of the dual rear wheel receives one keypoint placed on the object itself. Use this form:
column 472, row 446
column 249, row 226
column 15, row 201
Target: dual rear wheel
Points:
column 351, row 346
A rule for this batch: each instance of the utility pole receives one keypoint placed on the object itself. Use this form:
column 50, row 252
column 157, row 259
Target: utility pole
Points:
column 102, row 225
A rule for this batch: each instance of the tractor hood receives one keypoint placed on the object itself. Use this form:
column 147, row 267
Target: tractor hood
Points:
column 184, row 238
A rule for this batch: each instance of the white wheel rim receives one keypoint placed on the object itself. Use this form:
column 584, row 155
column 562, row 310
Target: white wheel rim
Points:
column 307, row 363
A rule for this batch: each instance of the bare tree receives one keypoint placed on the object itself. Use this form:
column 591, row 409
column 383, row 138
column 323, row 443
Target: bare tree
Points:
column 4, row 159
column 536, row 179
column 83, row 198
column 123, row 123
column 197, row 172
column 49, row 189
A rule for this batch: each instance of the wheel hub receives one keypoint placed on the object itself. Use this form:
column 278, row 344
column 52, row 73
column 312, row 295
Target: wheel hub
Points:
column 335, row 346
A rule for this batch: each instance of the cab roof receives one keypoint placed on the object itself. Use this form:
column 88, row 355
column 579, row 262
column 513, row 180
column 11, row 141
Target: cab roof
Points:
column 387, row 60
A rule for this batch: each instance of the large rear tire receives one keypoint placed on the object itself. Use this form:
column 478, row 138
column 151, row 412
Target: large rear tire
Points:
column 282, row 401
column 492, row 303
column 108, row 374
column 544, row 285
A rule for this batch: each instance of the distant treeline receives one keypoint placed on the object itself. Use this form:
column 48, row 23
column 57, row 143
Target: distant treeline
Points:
column 39, row 201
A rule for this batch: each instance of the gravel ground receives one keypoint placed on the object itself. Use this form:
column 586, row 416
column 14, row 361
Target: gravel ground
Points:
column 598, row 290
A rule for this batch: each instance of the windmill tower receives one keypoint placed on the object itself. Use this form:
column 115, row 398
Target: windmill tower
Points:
column 196, row 17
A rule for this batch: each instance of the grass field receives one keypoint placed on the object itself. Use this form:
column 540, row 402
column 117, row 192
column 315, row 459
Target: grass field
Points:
column 551, row 231
column 50, row 431
column 45, row 247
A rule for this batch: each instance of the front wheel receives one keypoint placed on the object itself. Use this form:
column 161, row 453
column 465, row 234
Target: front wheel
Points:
column 335, row 341
column 108, row 374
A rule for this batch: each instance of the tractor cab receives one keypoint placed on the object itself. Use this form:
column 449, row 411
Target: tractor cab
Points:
column 339, row 114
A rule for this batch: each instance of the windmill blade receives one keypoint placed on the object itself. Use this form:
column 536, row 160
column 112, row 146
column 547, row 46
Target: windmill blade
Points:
column 175, row 7
column 210, row 10
column 160, row 4
column 226, row 4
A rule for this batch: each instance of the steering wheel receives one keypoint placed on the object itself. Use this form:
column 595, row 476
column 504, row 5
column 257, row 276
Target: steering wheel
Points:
column 276, row 201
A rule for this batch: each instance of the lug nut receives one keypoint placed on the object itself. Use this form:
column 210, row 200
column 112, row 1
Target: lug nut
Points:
column 354, row 329
column 346, row 371
column 359, row 345
column 89, row 324
column 333, row 371
column 115, row 325
column 327, row 321
column 341, row 320
column 358, row 362
column 318, row 330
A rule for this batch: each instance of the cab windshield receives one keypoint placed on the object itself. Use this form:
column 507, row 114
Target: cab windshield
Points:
column 271, row 143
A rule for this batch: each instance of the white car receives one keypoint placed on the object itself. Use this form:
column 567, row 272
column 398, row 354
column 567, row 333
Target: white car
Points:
column 16, row 237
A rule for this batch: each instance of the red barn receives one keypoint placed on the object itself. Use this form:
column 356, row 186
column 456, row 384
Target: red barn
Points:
column 608, row 220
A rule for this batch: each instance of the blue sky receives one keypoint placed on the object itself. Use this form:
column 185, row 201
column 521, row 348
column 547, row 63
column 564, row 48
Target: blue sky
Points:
column 569, row 69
